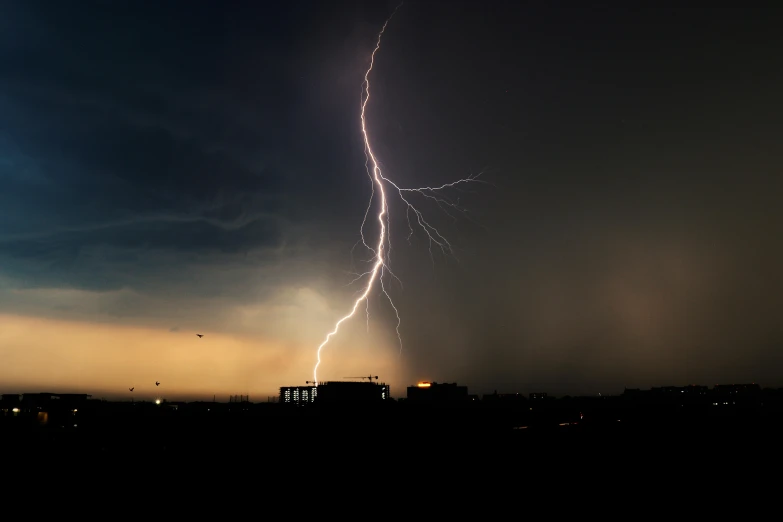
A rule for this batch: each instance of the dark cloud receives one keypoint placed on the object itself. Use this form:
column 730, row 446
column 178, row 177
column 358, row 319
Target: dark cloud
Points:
column 124, row 142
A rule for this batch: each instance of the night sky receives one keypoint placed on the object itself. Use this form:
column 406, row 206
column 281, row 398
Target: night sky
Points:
column 173, row 168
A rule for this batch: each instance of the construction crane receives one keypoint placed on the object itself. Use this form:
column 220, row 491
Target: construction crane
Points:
column 369, row 377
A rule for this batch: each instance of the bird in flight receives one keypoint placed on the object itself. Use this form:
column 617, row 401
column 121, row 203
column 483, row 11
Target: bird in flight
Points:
column 157, row 383
column 131, row 389
column 200, row 335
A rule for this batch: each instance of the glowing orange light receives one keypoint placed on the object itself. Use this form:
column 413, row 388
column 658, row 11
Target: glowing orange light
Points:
column 424, row 385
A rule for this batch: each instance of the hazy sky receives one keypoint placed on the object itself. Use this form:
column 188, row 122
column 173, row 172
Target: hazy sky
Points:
column 173, row 168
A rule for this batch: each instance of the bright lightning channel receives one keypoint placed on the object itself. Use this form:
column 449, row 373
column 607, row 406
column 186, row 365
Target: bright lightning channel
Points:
column 383, row 247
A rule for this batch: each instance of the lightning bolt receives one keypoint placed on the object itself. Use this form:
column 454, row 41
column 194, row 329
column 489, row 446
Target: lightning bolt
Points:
column 382, row 248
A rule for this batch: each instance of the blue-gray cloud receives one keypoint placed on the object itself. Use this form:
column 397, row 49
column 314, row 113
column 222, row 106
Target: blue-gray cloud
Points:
column 135, row 156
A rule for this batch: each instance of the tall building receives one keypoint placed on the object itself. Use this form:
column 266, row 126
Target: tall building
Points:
column 333, row 392
column 437, row 392
column 298, row 395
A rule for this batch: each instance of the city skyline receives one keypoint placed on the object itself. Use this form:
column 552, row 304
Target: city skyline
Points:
column 153, row 394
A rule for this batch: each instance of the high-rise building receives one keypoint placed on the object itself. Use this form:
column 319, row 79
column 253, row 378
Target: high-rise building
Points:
column 298, row 395
column 352, row 391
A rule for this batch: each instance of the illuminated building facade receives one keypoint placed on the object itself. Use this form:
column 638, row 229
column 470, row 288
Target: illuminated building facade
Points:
column 437, row 392
column 298, row 395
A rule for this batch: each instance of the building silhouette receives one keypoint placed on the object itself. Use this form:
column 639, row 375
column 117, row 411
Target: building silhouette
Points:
column 52, row 424
column 741, row 390
column 11, row 399
column 679, row 391
column 504, row 397
column 333, row 392
column 437, row 392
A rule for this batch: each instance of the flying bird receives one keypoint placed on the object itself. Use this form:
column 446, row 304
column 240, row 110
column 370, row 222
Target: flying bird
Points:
column 200, row 335
column 157, row 383
column 131, row 389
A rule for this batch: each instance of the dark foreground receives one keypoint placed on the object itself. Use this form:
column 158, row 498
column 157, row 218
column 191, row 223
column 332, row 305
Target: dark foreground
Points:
column 563, row 455
column 98, row 431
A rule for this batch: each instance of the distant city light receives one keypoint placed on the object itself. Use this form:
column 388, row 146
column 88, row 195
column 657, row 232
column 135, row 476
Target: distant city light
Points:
column 15, row 410
column 424, row 385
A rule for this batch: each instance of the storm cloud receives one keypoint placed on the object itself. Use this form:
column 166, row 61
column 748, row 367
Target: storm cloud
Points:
column 201, row 165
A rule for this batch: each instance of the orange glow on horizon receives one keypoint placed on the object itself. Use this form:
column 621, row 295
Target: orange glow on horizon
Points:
column 424, row 385
column 104, row 359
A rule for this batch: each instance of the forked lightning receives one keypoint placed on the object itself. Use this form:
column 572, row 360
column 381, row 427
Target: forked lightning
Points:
column 379, row 258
